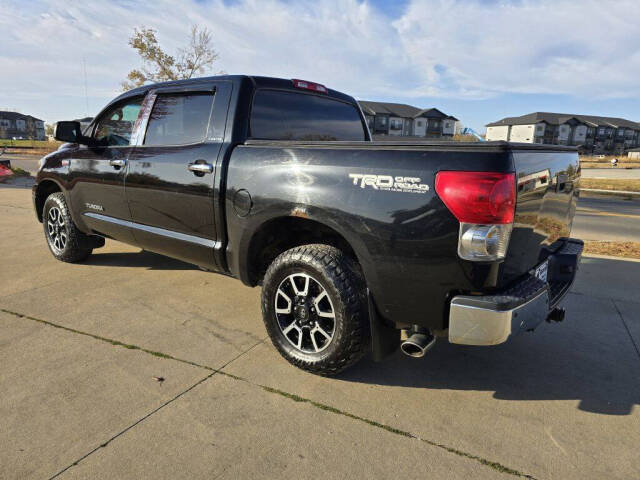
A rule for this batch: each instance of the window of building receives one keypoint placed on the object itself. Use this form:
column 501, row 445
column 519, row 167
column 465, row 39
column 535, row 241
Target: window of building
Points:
column 179, row 119
column 4, row 123
column 419, row 123
column 21, row 125
column 278, row 115
column 540, row 128
column 620, row 133
column 436, row 124
column 116, row 125
column 601, row 131
column 383, row 120
column 447, row 125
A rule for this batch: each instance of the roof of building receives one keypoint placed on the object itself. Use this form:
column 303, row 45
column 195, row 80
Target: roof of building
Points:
column 16, row 116
column 400, row 110
column 560, row 118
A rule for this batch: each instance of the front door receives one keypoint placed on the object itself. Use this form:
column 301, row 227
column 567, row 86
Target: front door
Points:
column 170, row 181
column 97, row 173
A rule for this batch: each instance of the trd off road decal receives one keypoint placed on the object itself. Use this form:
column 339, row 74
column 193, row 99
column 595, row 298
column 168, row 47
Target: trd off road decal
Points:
column 389, row 183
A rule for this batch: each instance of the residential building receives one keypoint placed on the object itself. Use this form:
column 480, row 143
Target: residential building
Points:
column 17, row 125
column 404, row 120
column 594, row 134
column 634, row 154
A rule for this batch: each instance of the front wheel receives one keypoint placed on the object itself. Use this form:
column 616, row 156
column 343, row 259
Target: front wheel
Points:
column 63, row 237
column 314, row 309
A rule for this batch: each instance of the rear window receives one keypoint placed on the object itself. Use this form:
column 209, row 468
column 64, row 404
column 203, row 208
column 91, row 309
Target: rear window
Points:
column 278, row 115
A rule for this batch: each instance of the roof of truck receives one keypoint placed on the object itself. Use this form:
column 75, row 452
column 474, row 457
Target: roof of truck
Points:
column 258, row 82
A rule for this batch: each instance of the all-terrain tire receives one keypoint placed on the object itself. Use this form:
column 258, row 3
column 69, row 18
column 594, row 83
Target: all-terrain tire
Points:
column 65, row 241
column 334, row 272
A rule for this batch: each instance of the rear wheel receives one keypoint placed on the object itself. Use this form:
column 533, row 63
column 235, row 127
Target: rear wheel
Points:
column 314, row 308
column 63, row 237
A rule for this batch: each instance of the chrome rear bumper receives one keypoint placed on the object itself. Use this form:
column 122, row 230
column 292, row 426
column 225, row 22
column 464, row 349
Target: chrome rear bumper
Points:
column 491, row 319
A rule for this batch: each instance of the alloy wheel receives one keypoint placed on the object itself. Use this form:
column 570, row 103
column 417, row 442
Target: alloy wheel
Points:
column 56, row 229
column 305, row 313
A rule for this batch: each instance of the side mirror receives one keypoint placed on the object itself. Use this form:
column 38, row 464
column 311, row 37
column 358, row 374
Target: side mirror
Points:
column 68, row 132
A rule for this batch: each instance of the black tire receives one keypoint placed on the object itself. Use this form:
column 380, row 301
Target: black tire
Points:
column 64, row 239
column 339, row 276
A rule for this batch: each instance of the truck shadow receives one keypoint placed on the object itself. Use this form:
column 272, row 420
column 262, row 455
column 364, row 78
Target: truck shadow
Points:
column 591, row 357
column 535, row 369
column 142, row 259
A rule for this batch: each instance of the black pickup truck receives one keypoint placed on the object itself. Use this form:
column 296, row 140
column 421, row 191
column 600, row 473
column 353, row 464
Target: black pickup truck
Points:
column 358, row 245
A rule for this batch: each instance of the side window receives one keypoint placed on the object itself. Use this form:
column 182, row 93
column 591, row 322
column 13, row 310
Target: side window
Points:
column 116, row 125
column 179, row 119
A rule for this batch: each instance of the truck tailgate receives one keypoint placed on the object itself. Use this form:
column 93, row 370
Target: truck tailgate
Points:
column 547, row 194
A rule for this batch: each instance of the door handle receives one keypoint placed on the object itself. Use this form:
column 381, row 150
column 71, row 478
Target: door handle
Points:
column 117, row 163
column 200, row 168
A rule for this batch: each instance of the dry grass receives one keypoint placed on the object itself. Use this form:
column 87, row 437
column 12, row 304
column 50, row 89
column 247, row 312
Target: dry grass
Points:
column 611, row 184
column 589, row 161
column 614, row 249
column 464, row 138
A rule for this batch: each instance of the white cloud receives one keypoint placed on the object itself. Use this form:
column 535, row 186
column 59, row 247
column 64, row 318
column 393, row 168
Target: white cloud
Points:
column 438, row 48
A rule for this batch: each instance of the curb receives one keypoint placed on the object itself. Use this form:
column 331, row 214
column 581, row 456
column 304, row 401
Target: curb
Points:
column 611, row 257
column 610, row 192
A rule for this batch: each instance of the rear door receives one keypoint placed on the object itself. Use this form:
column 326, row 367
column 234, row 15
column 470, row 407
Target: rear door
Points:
column 97, row 172
column 170, row 181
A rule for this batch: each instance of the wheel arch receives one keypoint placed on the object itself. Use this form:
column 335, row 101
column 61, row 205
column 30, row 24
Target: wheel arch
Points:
column 279, row 234
column 45, row 188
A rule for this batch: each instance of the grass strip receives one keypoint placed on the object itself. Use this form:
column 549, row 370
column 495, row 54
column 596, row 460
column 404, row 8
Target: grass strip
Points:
column 614, row 249
column 629, row 185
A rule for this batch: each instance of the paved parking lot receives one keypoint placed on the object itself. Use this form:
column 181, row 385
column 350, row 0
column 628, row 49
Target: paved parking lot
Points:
column 134, row 365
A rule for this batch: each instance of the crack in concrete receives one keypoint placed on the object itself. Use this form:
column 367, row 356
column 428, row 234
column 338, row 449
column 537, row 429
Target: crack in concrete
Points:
column 142, row 419
column 296, row 398
column 122, row 432
column 626, row 327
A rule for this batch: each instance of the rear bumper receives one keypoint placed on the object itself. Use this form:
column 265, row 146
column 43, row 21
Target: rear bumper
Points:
column 491, row 319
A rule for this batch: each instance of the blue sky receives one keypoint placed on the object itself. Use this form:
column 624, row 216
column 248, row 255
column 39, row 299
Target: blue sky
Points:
column 479, row 60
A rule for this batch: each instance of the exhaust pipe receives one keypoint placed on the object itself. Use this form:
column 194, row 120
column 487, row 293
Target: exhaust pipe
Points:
column 418, row 343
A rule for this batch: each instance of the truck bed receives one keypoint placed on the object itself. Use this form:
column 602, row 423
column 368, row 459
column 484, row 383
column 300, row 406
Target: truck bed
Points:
column 404, row 240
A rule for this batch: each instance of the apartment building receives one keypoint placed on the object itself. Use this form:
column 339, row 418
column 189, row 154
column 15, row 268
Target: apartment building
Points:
column 17, row 125
column 404, row 120
column 594, row 134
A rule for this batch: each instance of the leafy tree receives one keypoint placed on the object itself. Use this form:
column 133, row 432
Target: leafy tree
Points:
column 159, row 66
column 48, row 128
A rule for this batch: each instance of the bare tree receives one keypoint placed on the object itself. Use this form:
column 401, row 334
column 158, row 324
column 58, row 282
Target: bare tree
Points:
column 159, row 66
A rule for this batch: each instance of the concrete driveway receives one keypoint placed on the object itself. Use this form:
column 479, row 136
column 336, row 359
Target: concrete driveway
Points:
column 133, row 365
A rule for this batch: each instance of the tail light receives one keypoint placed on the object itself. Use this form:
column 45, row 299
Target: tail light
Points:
column 484, row 204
